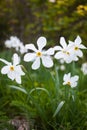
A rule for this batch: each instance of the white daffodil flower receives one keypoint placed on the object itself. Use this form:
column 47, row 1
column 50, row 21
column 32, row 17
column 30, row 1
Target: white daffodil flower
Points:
column 15, row 43
column 71, row 81
column 63, row 52
column 39, row 53
column 84, row 68
column 76, row 47
column 22, row 49
column 13, row 70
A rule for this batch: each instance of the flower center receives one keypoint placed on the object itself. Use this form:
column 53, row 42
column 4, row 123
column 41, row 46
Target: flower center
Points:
column 68, row 83
column 67, row 53
column 39, row 54
column 11, row 68
column 76, row 48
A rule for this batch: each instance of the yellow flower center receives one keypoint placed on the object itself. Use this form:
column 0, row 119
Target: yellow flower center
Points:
column 67, row 53
column 68, row 83
column 76, row 48
column 39, row 54
column 11, row 68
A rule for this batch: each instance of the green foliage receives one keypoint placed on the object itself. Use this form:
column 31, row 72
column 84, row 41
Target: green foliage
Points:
column 47, row 104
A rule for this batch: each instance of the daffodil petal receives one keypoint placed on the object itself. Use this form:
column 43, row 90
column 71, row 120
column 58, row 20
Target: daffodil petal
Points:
column 59, row 55
column 5, row 70
column 41, row 42
column 50, row 51
column 47, row 61
column 64, row 83
column 18, row 70
column 29, row 57
column 68, row 59
column 63, row 42
column 71, row 44
column 75, row 58
column 79, row 53
column 31, row 47
column 11, row 75
column 36, row 63
column 67, row 77
column 18, row 79
column 82, row 46
column 78, row 40
column 74, row 84
column 57, row 48
column 8, row 44
column 16, row 59
column 74, row 78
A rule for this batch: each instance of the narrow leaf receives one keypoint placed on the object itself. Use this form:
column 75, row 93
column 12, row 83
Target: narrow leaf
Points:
column 60, row 105
column 18, row 88
column 42, row 89
column 4, row 61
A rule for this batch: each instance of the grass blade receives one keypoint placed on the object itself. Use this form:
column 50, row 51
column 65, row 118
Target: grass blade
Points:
column 60, row 105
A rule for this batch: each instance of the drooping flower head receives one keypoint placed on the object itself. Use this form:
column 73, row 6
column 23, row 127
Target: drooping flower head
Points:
column 71, row 81
column 13, row 70
column 39, row 54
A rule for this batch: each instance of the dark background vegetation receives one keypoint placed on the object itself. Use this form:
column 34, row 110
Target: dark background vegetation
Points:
column 29, row 19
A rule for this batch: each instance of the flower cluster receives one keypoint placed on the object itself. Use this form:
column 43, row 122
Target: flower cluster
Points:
column 69, row 52
column 15, row 43
column 66, row 53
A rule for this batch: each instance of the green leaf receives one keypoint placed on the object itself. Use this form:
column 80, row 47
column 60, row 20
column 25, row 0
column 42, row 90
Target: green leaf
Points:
column 42, row 89
column 60, row 105
column 18, row 88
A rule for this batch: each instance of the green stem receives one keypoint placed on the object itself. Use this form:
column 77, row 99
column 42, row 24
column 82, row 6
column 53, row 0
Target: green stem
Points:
column 57, row 84
column 66, row 93
column 73, row 67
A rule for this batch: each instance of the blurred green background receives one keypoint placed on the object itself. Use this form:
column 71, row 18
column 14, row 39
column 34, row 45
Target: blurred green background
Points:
column 29, row 19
